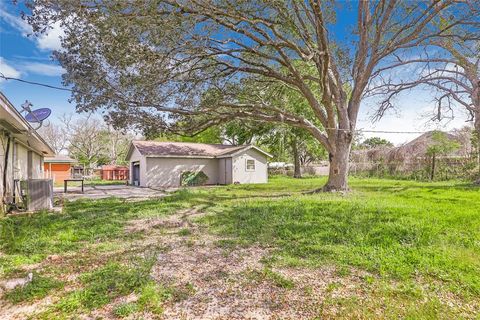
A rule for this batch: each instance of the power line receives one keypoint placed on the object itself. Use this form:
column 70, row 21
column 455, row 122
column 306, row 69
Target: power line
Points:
column 338, row 129
column 36, row 83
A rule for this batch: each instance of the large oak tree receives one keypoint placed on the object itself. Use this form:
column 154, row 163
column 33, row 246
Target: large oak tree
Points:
column 152, row 64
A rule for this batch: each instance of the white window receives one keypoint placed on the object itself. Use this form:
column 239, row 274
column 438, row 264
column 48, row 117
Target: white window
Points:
column 250, row 165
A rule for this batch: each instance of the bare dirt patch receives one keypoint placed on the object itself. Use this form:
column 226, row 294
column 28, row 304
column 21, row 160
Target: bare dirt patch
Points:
column 231, row 283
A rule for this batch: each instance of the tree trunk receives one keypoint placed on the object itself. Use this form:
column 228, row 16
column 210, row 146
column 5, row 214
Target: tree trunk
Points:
column 297, row 170
column 432, row 173
column 338, row 173
column 477, row 133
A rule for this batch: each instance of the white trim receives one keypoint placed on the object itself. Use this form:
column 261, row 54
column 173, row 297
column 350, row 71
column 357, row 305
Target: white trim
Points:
column 246, row 165
column 180, row 157
column 27, row 129
column 243, row 150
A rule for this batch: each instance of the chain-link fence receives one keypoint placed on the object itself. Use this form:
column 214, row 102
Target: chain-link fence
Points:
column 419, row 169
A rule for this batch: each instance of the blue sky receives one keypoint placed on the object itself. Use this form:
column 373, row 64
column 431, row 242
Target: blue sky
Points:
column 25, row 56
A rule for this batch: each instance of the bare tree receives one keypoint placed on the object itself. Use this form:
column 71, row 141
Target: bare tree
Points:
column 154, row 67
column 56, row 136
column 450, row 66
column 86, row 143
column 117, row 143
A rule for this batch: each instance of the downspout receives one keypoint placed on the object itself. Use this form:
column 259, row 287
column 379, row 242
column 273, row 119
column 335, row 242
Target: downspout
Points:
column 5, row 168
column 14, row 159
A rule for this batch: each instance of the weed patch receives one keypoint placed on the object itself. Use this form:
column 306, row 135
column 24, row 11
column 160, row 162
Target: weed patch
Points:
column 38, row 288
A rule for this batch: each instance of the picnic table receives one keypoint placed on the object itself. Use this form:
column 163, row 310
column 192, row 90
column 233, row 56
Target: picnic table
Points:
column 65, row 183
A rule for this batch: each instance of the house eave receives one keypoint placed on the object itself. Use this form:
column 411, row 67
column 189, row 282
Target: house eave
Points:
column 180, row 156
column 19, row 128
column 230, row 155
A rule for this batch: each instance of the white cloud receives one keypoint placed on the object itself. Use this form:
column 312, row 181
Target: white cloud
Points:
column 50, row 40
column 43, row 69
column 7, row 70
column 15, row 22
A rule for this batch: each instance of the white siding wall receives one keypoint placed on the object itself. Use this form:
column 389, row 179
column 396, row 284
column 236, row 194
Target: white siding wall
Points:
column 239, row 167
column 17, row 169
column 166, row 172
column 37, row 166
column 21, row 162
column 3, row 147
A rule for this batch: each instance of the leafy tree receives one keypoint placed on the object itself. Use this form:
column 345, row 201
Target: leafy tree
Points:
column 210, row 135
column 376, row 142
column 151, row 64
column 442, row 145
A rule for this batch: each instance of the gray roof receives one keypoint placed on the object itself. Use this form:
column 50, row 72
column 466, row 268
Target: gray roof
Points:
column 188, row 149
column 59, row 159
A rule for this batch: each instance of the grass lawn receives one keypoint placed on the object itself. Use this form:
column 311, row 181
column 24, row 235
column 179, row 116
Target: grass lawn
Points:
column 388, row 249
column 93, row 183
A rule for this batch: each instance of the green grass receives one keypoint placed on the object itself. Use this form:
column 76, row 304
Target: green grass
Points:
column 397, row 229
column 29, row 239
column 417, row 241
column 125, row 309
column 38, row 288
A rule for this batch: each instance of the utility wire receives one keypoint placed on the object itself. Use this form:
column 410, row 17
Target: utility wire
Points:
column 358, row 130
column 36, row 83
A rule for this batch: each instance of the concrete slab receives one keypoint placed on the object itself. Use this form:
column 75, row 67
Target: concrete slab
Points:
column 101, row 192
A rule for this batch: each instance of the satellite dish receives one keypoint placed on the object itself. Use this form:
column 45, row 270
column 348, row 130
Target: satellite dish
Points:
column 38, row 115
column 35, row 116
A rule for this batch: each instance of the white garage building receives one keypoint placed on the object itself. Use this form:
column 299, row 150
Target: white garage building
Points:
column 161, row 164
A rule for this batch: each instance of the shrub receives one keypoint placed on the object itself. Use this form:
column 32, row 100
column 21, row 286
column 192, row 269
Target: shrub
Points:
column 192, row 178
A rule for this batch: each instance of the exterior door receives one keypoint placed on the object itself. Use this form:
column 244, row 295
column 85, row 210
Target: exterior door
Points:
column 136, row 173
column 228, row 171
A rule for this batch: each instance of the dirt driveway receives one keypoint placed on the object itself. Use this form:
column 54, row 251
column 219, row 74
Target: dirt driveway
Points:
column 106, row 191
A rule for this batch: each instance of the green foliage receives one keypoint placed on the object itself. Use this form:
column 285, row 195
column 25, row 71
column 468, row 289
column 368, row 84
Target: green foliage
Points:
column 210, row 135
column 376, row 142
column 441, row 144
column 38, row 288
column 193, row 178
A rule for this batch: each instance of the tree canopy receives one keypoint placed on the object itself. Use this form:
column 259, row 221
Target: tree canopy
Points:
column 177, row 65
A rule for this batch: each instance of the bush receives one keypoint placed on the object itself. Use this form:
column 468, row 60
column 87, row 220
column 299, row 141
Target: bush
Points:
column 191, row 178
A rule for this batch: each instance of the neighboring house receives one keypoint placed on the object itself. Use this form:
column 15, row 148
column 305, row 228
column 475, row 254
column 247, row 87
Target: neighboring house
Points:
column 58, row 168
column 22, row 151
column 161, row 164
column 114, row 172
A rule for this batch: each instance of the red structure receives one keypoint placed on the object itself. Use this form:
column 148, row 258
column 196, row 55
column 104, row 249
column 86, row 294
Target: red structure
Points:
column 111, row 172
